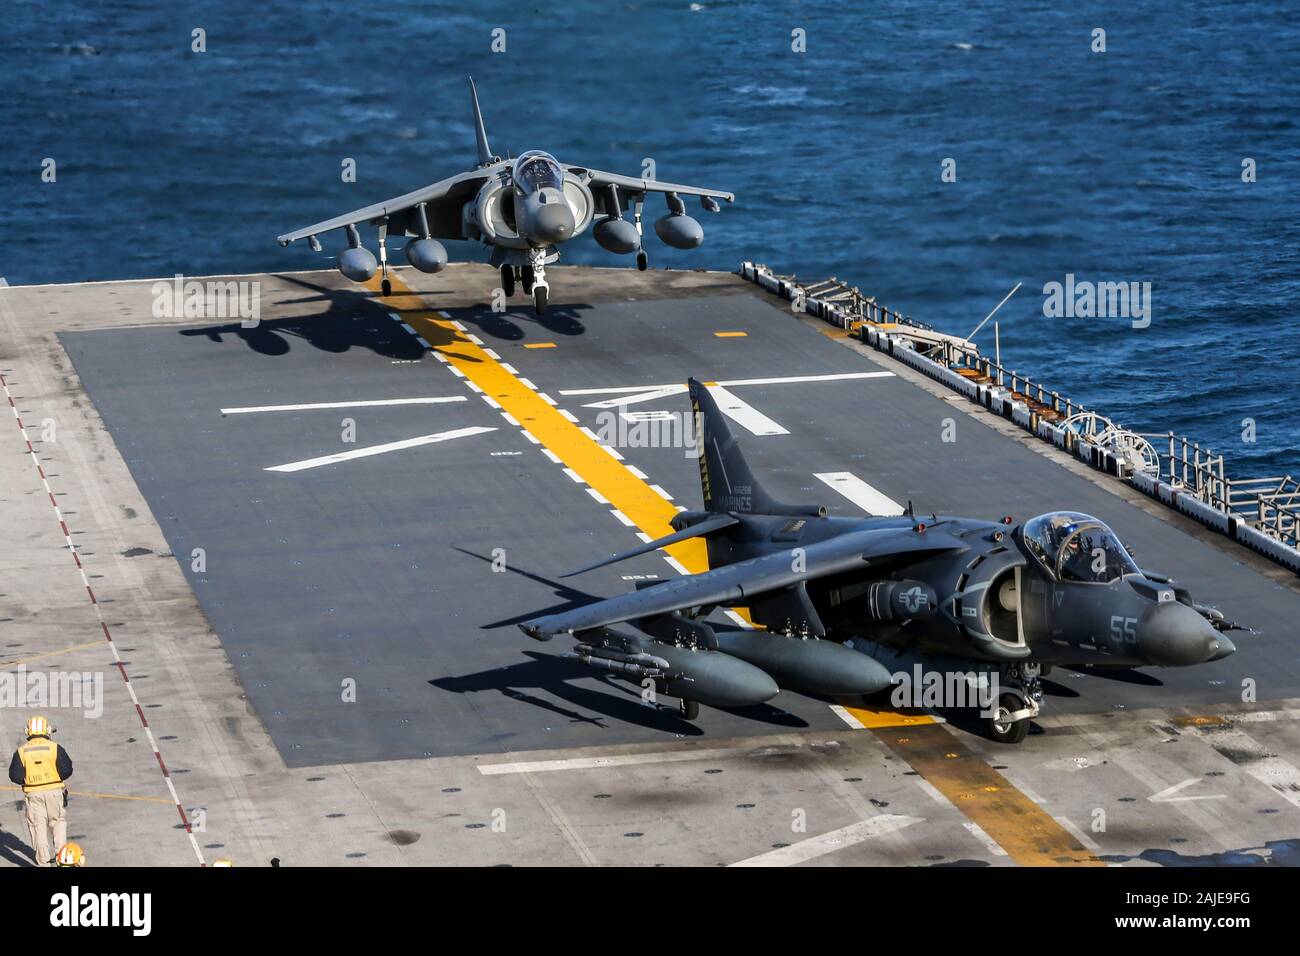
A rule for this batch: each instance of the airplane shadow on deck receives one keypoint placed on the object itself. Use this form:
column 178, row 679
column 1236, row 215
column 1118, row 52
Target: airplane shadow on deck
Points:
column 513, row 325
column 617, row 699
column 355, row 318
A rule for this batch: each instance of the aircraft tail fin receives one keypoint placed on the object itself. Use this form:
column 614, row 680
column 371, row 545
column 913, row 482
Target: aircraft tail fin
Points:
column 485, row 157
column 725, row 478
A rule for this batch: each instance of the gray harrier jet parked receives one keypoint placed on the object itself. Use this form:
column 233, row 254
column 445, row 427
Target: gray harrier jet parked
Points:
column 837, row 596
column 523, row 208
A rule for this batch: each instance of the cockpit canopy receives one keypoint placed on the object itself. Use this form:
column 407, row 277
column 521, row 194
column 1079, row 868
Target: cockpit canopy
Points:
column 1077, row 547
column 535, row 169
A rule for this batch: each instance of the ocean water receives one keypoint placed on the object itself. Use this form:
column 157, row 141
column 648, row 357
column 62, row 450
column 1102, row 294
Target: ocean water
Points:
column 1122, row 166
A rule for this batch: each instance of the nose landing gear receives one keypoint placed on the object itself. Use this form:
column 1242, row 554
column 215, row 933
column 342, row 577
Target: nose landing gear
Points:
column 1019, row 702
column 534, row 279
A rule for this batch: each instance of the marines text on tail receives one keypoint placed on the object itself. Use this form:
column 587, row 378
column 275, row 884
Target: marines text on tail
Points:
column 945, row 592
column 523, row 208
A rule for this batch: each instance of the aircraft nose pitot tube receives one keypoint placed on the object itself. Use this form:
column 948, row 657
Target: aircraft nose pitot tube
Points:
column 1173, row 635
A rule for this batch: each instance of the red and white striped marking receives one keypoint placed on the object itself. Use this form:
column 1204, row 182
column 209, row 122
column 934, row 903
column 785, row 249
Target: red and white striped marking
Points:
column 103, row 624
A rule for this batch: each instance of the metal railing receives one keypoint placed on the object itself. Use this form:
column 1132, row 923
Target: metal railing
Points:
column 1270, row 505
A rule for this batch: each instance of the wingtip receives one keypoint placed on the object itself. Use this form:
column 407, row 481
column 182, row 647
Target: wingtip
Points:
column 535, row 631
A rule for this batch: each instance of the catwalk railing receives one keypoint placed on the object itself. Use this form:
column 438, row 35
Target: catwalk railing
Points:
column 1261, row 513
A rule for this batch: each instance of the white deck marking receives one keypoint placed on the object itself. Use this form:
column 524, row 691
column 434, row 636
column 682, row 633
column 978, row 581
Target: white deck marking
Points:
column 1280, row 776
column 745, row 414
column 645, row 393
column 1078, row 834
column 848, row 718
column 594, row 763
column 380, row 449
column 982, row 835
column 250, row 409
column 814, row 847
column 860, row 493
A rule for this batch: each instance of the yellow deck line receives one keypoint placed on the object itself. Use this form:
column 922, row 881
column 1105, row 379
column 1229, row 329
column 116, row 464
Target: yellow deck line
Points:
column 644, row 507
column 102, row 796
column 874, row 718
column 66, row 650
column 1027, row 832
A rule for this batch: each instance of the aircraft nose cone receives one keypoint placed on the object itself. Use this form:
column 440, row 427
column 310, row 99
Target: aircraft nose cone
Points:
column 1225, row 647
column 552, row 222
column 1174, row 635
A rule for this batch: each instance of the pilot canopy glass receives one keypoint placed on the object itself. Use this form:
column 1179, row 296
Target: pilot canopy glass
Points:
column 535, row 170
column 1077, row 547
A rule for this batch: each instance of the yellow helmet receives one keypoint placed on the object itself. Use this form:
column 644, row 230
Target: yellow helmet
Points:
column 38, row 727
column 223, row 861
column 70, row 855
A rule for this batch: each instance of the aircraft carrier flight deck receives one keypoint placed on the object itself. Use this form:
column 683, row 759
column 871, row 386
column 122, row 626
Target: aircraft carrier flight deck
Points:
column 299, row 551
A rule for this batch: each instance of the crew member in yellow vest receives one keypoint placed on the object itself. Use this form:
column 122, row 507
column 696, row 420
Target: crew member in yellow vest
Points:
column 40, row 767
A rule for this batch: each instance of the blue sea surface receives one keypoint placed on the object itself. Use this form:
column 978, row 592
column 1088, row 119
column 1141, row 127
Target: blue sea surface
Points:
column 1122, row 166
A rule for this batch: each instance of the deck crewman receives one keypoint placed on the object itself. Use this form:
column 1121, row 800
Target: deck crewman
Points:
column 41, row 767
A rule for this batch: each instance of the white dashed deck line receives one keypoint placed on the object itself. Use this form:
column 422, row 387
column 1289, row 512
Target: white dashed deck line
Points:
column 1084, row 840
column 600, row 499
column 848, row 718
column 982, row 835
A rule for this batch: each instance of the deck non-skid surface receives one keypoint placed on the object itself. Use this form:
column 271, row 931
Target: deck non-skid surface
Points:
column 362, row 522
column 369, row 603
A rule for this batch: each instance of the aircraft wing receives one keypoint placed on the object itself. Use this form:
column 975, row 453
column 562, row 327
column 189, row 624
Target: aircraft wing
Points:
column 598, row 181
column 443, row 201
column 732, row 584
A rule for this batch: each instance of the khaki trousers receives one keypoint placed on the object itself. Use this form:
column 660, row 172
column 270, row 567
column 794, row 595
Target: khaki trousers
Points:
column 45, row 812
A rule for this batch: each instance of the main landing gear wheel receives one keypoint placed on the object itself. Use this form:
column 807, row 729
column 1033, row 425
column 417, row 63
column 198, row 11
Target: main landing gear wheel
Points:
column 689, row 709
column 540, row 296
column 1006, row 731
column 508, row 280
column 385, row 288
column 642, row 261
column 526, row 277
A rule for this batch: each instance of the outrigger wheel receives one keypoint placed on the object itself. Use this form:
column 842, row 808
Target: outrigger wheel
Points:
column 689, row 709
column 508, row 280
column 642, row 260
column 385, row 288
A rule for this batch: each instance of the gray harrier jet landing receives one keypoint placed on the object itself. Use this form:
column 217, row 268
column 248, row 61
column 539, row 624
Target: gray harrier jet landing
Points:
column 840, row 598
column 523, row 208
